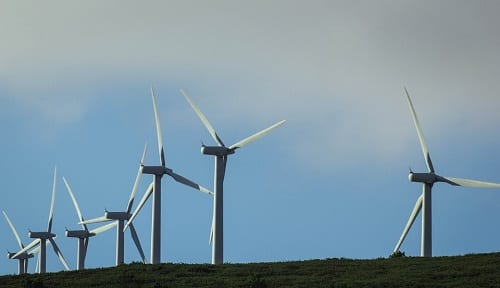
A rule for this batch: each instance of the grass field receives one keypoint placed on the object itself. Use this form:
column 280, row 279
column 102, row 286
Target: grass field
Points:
column 478, row 270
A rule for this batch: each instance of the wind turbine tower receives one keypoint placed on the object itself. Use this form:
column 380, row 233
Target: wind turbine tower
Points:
column 155, row 189
column 22, row 258
column 220, row 152
column 120, row 217
column 83, row 235
column 42, row 237
column 428, row 179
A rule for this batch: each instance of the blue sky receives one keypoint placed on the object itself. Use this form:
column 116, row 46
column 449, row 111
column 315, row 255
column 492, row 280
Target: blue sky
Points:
column 331, row 182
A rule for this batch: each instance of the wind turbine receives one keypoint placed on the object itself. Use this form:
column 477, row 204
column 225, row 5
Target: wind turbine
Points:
column 120, row 217
column 155, row 189
column 84, row 234
column 428, row 179
column 22, row 258
column 221, row 152
column 42, row 237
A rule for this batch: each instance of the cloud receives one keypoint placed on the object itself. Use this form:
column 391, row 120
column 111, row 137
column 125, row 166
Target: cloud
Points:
column 335, row 70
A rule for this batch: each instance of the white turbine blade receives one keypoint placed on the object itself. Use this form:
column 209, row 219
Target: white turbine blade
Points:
column 211, row 233
column 413, row 215
column 27, row 247
column 255, row 136
column 95, row 220
column 137, row 180
column 134, row 190
column 51, row 212
column 188, row 182
column 103, row 228
column 148, row 193
column 158, row 128
column 133, row 233
column 37, row 249
column 26, row 265
column 75, row 203
column 37, row 268
column 203, row 119
column 144, row 153
column 21, row 246
column 470, row 183
column 420, row 134
column 59, row 254
column 85, row 248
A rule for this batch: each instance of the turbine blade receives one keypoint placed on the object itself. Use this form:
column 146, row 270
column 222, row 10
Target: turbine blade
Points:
column 85, row 248
column 75, row 203
column 144, row 153
column 27, row 247
column 420, row 134
column 470, row 183
column 203, row 119
column 139, row 206
column 158, row 129
column 211, row 233
column 255, row 136
column 413, row 216
column 21, row 246
column 136, row 183
column 224, row 164
column 37, row 268
column 133, row 233
column 34, row 251
column 103, row 228
column 95, row 220
column 37, row 249
column 51, row 212
column 188, row 182
column 26, row 265
column 59, row 254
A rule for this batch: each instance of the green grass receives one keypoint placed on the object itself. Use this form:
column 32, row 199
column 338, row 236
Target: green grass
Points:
column 479, row 270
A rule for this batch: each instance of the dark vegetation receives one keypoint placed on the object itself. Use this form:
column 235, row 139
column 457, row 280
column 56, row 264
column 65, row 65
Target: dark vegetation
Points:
column 479, row 270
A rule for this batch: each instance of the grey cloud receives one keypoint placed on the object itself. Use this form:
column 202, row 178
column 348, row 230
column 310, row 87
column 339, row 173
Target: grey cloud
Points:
column 335, row 67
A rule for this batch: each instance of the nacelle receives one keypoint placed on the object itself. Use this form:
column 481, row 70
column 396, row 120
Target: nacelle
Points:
column 155, row 170
column 216, row 150
column 428, row 178
column 78, row 233
column 41, row 235
column 117, row 215
column 24, row 255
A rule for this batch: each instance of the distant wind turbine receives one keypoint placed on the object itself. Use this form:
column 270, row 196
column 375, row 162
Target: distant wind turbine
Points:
column 424, row 201
column 84, row 234
column 42, row 237
column 155, row 189
column 120, row 217
column 22, row 258
column 221, row 152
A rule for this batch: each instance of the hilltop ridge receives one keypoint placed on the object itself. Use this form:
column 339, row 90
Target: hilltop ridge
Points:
column 474, row 270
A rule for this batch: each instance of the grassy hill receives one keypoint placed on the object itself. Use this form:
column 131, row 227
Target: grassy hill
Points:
column 479, row 270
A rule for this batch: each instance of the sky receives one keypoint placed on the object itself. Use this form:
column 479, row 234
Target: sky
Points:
column 331, row 182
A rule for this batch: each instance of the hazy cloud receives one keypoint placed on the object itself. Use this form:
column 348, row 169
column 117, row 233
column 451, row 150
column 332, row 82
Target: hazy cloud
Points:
column 334, row 69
